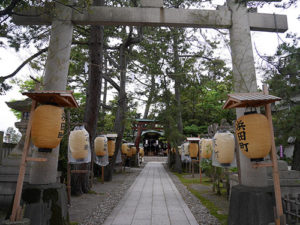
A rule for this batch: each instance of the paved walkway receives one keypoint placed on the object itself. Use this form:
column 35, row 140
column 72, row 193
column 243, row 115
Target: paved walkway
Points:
column 152, row 200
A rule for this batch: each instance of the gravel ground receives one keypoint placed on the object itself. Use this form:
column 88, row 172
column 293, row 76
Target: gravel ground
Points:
column 200, row 213
column 93, row 208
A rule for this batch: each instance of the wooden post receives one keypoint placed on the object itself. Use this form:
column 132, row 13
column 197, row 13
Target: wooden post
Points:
column 68, row 166
column 193, row 169
column 16, row 205
column 102, row 175
column 238, row 161
column 279, row 219
column 69, row 183
column 200, row 172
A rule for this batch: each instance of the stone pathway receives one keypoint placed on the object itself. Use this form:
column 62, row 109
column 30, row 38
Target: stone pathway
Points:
column 153, row 199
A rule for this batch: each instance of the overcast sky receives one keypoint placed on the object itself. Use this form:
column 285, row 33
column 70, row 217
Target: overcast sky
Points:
column 265, row 42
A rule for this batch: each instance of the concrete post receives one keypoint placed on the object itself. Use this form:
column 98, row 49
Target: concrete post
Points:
column 244, row 79
column 56, row 72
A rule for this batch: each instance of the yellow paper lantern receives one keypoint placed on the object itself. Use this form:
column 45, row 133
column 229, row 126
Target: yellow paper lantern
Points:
column 129, row 152
column 133, row 150
column 47, row 126
column 124, row 148
column 193, row 149
column 206, row 148
column 224, row 145
column 254, row 136
column 111, row 144
column 141, row 152
column 78, row 144
column 99, row 145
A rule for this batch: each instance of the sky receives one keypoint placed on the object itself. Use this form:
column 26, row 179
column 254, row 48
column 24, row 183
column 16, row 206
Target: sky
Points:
column 265, row 42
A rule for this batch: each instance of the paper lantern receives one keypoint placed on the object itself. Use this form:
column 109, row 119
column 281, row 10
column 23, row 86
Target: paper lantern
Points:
column 180, row 150
column 78, row 144
column 133, row 150
column 124, row 148
column 186, row 148
column 142, row 153
column 99, row 145
column 253, row 134
column 129, row 152
column 193, row 149
column 111, row 144
column 224, row 145
column 206, row 148
column 47, row 127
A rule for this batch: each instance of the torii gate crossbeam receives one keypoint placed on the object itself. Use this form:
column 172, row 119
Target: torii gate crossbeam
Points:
column 113, row 16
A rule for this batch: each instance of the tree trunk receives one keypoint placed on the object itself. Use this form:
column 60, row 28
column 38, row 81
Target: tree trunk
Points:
column 93, row 97
column 177, row 79
column 150, row 98
column 296, row 156
column 119, row 126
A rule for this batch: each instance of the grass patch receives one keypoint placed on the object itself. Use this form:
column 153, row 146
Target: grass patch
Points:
column 205, row 180
column 213, row 210
column 74, row 223
column 92, row 192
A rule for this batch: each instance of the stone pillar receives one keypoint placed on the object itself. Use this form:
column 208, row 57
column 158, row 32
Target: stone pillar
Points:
column 244, row 79
column 1, row 144
column 56, row 73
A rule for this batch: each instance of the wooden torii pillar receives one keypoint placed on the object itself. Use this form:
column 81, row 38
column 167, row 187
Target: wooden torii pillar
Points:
column 234, row 16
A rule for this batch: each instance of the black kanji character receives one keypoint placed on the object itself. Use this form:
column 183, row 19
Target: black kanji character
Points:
column 242, row 136
column 240, row 125
column 244, row 146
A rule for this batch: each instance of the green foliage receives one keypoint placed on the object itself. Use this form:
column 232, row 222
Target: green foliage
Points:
column 12, row 136
column 284, row 81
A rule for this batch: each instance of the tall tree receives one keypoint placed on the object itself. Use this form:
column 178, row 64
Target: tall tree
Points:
column 283, row 78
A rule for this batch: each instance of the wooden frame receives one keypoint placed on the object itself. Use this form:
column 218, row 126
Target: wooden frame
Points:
column 62, row 100
column 242, row 100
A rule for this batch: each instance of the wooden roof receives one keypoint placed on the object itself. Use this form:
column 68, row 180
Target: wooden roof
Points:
column 243, row 100
column 193, row 139
column 60, row 98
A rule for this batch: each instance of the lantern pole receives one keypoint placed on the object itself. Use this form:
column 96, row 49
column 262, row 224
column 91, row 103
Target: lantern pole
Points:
column 16, row 211
column 68, row 164
column 200, row 172
column 279, row 218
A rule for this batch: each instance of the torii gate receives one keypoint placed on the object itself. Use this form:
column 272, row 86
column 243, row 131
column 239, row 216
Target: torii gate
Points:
column 234, row 16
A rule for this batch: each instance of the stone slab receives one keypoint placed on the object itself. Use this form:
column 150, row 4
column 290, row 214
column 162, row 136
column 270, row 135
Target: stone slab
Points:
column 251, row 205
column 156, row 201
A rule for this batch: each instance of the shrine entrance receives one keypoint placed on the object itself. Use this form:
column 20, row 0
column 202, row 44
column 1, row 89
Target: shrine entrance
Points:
column 153, row 143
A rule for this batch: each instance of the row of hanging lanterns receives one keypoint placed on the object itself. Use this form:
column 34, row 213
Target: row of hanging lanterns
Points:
column 252, row 132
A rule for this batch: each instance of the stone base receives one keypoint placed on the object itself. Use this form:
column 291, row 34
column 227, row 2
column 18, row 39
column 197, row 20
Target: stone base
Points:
column 25, row 221
column 45, row 204
column 251, row 205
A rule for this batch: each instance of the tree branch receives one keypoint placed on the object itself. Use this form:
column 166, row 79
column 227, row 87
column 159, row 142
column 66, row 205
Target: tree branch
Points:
column 2, row 79
column 112, row 82
column 8, row 10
